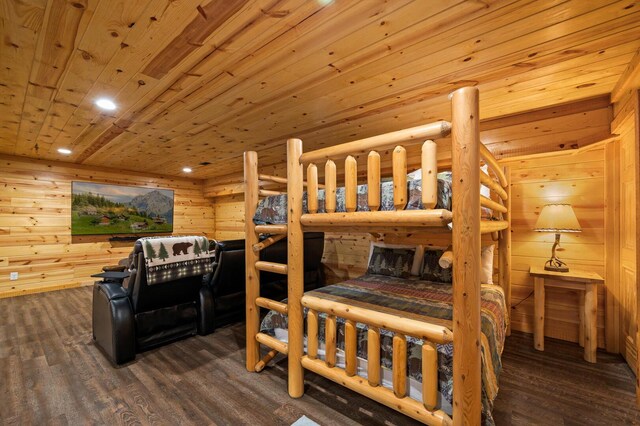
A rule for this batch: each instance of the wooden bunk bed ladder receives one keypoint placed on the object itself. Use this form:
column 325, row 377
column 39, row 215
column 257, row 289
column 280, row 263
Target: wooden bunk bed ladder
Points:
column 253, row 265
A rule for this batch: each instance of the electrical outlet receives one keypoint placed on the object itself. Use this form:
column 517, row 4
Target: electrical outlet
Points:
column 13, row 276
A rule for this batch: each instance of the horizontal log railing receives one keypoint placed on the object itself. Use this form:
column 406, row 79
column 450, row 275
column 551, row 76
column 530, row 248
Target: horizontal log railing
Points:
column 401, row 327
column 399, row 220
column 406, row 218
column 414, row 135
column 276, row 179
column 394, row 323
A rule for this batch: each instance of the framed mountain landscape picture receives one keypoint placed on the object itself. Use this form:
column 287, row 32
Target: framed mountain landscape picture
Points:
column 116, row 209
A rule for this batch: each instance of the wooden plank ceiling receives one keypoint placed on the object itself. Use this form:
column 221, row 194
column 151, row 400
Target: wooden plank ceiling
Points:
column 201, row 81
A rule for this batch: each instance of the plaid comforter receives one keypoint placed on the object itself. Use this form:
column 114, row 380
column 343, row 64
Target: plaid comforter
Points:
column 420, row 300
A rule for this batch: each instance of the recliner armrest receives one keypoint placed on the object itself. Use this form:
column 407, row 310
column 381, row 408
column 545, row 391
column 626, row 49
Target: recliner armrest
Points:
column 113, row 322
column 112, row 291
column 206, row 311
column 114, row 268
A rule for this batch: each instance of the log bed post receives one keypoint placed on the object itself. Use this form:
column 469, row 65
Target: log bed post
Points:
column 504, row 248
column 251, row 189
column 295, row 254
column 465, row 150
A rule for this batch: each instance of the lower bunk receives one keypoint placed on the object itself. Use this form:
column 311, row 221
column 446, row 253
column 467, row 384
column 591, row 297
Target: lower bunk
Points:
column 408, row 300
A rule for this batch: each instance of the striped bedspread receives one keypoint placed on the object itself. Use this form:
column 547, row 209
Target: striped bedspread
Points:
column 420, row 300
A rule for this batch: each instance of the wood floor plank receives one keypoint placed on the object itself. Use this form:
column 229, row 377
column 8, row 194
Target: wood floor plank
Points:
column 52, row 373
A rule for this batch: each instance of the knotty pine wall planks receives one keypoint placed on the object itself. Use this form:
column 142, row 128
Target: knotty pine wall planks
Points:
column 576, row 178
column 625, row 123
column 35, row 220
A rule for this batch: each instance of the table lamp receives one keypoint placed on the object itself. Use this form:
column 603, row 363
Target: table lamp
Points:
column 557, row 218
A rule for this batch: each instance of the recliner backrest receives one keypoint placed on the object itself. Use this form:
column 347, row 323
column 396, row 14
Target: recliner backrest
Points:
column 146, row 297
column 229, row 274
column 313, row 250
column 230, row 268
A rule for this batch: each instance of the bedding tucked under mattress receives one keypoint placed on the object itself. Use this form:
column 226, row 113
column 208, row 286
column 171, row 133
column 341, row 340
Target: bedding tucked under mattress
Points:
column 421, row 300
column 272, row 210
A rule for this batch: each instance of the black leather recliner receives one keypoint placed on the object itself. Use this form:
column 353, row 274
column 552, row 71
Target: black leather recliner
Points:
column 227, row 283
column 136, row 316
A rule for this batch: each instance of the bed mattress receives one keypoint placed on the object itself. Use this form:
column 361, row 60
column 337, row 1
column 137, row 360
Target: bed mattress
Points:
column 416, row 299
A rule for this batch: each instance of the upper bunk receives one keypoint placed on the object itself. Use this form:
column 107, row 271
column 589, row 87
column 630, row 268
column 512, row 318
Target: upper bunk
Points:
column 326, row 207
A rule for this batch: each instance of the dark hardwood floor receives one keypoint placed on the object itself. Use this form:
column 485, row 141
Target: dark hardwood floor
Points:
column 51, row 373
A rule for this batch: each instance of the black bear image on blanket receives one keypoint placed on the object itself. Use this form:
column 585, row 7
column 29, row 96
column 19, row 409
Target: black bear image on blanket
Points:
column 181, row 247
column 189, row 256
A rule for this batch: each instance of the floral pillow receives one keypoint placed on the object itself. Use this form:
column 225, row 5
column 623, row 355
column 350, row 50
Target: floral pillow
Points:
column 431, row 269
column 394, row 262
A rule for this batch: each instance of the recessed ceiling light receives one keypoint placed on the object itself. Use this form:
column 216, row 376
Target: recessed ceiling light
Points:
column 64, row 151
column 187, row 169
column 105, row 103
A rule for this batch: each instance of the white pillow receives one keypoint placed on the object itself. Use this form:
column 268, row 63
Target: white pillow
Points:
column 486, row 271
column 417, row 260
column 484, row 190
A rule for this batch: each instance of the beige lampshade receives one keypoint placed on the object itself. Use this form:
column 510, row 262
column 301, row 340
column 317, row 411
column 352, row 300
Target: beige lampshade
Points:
column 557, row 218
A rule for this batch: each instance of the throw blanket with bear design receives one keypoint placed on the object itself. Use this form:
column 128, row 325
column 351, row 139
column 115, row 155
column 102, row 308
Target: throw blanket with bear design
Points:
column 172, row 258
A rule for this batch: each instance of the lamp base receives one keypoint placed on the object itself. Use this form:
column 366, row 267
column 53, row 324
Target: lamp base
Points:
column 556, row 265
column 555, row 268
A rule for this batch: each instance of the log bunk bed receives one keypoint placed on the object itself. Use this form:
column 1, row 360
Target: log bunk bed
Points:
column 467, row 229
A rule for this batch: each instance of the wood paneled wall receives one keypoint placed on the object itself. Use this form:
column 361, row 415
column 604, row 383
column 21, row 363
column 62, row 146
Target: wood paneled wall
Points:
column 626, row 123
column 229, row 217
column 35, row 222
column 576, row 178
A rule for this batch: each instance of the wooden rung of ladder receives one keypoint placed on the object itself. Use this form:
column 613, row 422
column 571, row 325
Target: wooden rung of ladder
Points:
column 279, row 307
column 267, row 242
column 278, row 268
column 271, row 229
column 273, row 343
column 269, row 193
column 265, row 360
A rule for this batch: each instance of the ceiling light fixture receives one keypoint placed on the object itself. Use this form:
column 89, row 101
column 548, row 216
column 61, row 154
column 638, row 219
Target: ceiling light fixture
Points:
column 187, row 169
column 64, row 151
column 106, row 104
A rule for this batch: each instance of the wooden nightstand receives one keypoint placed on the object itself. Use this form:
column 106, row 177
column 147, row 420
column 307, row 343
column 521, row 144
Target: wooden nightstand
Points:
column 586, row 283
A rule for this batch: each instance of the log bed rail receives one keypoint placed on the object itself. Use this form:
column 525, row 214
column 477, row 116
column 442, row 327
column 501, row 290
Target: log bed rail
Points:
column 402, row 327
column 466, row 229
